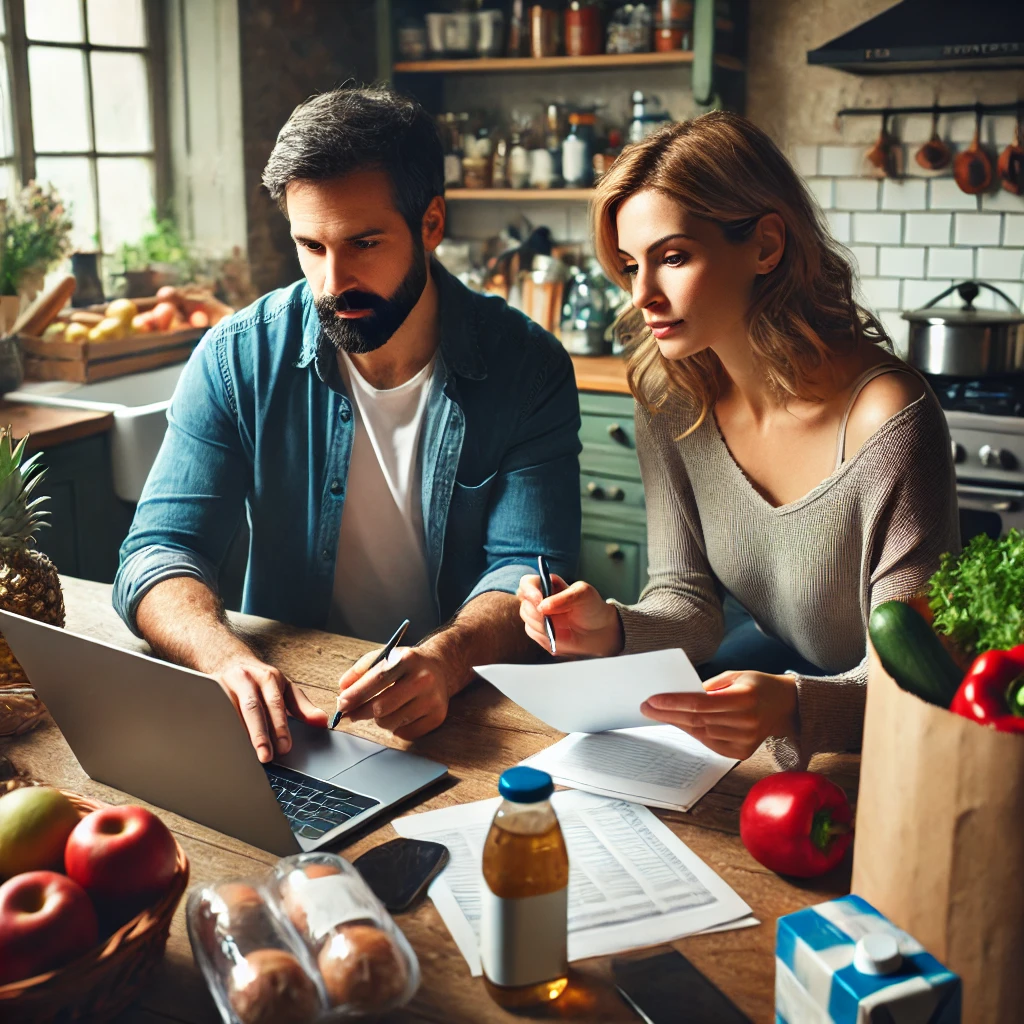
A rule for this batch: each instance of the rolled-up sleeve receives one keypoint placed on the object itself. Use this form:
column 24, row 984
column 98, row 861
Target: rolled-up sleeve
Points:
column 195, row 494
column 534, row 505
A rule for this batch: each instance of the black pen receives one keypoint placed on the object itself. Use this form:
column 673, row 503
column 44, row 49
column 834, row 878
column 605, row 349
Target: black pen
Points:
column 388, row 648
column 545, row 587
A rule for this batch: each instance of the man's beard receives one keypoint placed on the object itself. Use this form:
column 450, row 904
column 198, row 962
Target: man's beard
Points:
column 359, row 335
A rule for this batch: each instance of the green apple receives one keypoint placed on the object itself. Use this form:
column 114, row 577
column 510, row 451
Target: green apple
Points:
column 35, row 822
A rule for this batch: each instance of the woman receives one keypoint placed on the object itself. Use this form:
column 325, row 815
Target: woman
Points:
column 789, row 459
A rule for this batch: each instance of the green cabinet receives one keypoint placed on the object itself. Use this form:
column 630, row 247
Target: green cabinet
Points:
column 613, row 552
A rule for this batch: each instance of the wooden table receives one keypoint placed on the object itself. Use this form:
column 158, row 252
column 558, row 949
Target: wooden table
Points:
column 49, row 425
column 484, row 734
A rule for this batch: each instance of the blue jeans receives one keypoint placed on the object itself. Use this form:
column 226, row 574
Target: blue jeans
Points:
column 746, row 647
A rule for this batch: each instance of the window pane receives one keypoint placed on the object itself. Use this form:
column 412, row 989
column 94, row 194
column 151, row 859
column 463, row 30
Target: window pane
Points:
column 126, row 199
column 70, row 177
column 8, row 180
column 6, row 133
column 116, row 23
column 59, row 20
column 3, row 21
column 120, row 102
column 57, row 82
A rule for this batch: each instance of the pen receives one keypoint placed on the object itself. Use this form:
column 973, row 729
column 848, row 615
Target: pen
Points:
column 384, row 654
column 545, row 586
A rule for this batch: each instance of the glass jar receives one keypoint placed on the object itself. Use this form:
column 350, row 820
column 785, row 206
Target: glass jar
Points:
column 582, row 28
column 578, row 151
column 525, row 895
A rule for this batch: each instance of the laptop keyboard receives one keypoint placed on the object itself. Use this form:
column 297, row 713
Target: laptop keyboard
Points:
column 313, row 807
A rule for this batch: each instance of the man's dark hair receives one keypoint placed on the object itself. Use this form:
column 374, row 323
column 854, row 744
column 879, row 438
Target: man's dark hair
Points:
column 361, row 129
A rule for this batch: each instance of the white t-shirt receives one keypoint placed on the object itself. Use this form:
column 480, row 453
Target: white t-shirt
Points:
column 381, row 577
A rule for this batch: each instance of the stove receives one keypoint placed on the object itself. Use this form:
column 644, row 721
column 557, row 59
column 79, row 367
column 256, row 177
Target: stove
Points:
column 986, row 428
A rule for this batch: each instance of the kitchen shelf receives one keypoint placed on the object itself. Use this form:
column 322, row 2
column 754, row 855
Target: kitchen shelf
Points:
column 597, row 61
column 526, row 195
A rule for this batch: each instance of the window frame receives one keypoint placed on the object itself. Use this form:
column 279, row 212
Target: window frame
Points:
column 155, row 53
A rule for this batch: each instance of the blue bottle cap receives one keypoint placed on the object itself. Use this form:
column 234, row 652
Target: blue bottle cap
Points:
column 524, row 785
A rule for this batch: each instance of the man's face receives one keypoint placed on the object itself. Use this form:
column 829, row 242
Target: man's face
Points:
column 365, row 268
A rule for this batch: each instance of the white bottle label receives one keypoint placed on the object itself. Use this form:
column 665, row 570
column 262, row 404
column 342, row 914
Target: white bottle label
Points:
column 523, row 941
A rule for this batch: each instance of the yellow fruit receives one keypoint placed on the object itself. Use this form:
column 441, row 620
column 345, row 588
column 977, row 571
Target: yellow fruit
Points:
column 123, row 310
column 108, row 329
column 76, row 332
column 55, row 332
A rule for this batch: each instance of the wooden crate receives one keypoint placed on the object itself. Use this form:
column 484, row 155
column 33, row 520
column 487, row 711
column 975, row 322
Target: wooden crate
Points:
column 88, row 361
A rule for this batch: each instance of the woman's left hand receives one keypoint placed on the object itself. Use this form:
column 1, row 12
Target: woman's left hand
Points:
column 737, row 712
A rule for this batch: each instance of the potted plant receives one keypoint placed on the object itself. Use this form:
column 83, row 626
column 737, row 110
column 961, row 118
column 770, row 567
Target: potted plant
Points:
column 161, row 256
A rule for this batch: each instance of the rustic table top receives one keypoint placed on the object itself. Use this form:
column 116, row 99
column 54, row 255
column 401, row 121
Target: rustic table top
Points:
column 484, row 734
column 49, row 425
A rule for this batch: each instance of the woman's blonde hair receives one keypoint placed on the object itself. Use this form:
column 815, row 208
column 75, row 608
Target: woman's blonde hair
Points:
column 723, row 168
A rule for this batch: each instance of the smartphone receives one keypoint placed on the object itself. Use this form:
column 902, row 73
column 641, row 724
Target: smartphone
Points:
column 667, row 988
column 399, row 871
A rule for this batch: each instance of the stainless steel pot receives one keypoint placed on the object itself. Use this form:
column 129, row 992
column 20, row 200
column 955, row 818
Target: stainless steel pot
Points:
column 966, row 342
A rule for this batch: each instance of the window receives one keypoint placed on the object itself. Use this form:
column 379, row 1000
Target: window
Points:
column 85, row 82
column 8, row 169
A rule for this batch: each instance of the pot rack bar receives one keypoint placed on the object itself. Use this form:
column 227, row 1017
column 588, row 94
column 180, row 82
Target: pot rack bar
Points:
column 935, row 108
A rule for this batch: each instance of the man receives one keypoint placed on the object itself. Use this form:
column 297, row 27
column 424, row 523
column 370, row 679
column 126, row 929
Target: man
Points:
column 401, row 446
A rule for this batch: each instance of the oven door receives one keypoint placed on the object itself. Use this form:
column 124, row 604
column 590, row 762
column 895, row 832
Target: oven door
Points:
column 989, row 508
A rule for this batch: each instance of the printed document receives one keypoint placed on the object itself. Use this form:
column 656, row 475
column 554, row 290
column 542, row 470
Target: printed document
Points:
column 632, row 883
column 655, row 765
column 595, row 694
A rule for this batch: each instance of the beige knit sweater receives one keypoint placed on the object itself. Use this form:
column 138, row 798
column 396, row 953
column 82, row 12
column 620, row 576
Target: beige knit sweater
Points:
column 808, row 572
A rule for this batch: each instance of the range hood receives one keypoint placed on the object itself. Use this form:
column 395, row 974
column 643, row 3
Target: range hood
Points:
column 931, row 35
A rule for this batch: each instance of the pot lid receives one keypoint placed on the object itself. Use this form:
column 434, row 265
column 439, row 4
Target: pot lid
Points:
column 967, row 315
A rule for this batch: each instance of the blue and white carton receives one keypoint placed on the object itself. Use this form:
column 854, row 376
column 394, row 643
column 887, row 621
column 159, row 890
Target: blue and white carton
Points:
column 842, row 962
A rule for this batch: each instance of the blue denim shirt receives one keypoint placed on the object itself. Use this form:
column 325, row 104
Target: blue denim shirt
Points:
column 260, row 422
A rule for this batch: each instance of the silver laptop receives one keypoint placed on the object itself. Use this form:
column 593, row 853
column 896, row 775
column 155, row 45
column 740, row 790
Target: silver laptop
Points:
column 172, row 737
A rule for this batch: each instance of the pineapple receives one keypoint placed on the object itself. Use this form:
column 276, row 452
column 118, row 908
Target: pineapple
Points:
column 29, row 584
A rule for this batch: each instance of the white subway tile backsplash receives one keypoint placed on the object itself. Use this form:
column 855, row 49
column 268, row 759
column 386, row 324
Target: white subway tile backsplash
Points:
column 805, row 160
column 839, row 225
column 1002, row 202
column 821, row 189
column 900, row 261
column 945, row 194
column 918, row 293
column 914, row 128
column 879, row 228
column 880, row 292
column 1000, row 264
column 928, row 228
column 856, row 194
column 1013, row 231
column 958, row 263
column 989, row 300
column 866, row 259
column 904, row 194
column 977, row 228
column 898, row 330
column 841, row 161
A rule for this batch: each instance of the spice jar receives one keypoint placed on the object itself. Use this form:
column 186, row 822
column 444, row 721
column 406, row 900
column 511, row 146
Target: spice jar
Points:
column 673, row 25
column 544, row 24
column 578, row 151
column 582, row 28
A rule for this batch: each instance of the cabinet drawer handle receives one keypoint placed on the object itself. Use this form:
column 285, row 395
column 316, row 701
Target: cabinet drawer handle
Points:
column 598, row 493
column 617, row 434
column 614, row 552
column 616, row 494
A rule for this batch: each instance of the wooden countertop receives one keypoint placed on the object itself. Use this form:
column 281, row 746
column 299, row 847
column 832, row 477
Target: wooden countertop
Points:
column 484, row 734
column 49, row 425
column 601, row 373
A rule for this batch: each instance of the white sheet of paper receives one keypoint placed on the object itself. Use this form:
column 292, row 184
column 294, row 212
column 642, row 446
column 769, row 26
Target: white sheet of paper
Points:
column 632, row 883
column 655, row 765
column 596, row 694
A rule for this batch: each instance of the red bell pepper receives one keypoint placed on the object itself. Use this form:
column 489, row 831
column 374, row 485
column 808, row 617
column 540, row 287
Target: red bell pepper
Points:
column 796, row 823
column 992, row 692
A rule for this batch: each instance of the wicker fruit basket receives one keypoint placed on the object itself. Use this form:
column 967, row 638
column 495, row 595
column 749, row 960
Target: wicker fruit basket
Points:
column 98, row 986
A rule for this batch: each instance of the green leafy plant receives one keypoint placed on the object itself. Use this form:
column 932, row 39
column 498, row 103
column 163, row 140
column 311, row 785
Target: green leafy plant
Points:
column 35, row 233
column 978, row 596
column 163, row 244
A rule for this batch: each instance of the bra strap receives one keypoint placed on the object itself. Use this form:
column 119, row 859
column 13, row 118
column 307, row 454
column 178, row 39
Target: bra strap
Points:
column 862, row 382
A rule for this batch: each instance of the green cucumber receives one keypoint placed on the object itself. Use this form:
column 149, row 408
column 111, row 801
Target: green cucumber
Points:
column 912, row 654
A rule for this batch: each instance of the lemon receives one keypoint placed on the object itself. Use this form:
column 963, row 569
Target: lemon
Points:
column 123, row 310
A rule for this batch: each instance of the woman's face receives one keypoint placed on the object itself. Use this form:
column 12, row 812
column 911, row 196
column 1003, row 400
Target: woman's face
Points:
column 692, row 285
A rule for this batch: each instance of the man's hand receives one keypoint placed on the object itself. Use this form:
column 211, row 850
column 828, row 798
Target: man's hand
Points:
column 737, row 712
column 416, row 683
column 264, row 697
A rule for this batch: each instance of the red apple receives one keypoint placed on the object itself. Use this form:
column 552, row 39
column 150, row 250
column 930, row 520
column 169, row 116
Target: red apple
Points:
column 121, row 855
column 46, row 920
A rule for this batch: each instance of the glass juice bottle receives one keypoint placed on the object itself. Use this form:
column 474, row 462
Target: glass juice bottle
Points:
column 525, row 895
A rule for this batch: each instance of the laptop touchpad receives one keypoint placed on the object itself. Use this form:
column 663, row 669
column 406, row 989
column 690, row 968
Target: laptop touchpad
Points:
column 324, row 753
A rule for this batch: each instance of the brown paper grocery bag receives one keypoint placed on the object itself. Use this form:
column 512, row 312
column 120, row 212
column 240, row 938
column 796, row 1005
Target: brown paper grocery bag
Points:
column 939, row 841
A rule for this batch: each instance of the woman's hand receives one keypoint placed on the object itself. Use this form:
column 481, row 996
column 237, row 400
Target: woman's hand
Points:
column 737, row 712
column 584, row 624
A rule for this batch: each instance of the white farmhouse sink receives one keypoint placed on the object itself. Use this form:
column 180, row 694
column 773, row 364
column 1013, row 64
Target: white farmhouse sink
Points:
column 139, row 403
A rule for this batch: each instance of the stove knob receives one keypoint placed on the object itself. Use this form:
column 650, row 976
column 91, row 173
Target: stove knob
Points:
column 958, row 453
column 996, row 458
